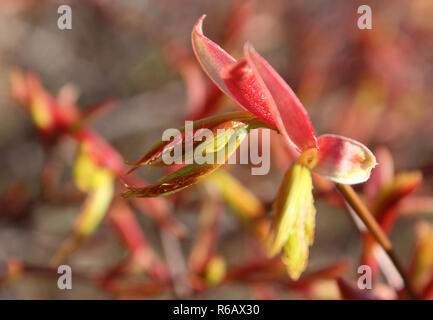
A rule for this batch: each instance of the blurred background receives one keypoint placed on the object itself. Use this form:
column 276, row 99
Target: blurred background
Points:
column 374, row 86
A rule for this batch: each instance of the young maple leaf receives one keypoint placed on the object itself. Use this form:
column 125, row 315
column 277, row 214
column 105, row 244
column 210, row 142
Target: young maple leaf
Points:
column 253, row 84
column 257, row 87
column 228, row 131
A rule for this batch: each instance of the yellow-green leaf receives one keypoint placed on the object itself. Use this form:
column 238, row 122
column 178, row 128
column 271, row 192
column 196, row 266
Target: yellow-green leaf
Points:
column 293, row 228
column 227, row 142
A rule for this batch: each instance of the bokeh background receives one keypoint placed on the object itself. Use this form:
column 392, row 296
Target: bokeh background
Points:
column 371, row 85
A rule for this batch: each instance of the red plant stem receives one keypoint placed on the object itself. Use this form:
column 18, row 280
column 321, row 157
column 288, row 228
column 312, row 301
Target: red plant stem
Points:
column 373, row 227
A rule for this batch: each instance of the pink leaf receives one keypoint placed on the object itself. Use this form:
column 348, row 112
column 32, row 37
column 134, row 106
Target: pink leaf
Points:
column 231, row 77
column 343, row 160
column 248, row 92
column 210, row 55
column 257, row 87
column 295, row 124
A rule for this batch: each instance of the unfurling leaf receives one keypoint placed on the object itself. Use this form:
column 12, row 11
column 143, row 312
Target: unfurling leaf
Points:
column 223, row 145
column 210, row 55
column 222, row 121
column 230, row 76
column 257, row 87
column 343, row 160
column 295, row 217
column 294, row 123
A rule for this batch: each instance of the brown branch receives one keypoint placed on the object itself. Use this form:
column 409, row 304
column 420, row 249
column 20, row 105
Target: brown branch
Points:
column 376, row 231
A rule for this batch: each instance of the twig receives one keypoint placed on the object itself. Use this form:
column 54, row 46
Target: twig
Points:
column 373, row 227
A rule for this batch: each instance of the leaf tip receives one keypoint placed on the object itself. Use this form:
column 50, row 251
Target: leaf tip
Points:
column 198, row 27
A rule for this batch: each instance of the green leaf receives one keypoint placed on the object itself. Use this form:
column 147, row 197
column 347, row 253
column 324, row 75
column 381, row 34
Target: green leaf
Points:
column 224, row 145
column 295, row 218
column 226, row 120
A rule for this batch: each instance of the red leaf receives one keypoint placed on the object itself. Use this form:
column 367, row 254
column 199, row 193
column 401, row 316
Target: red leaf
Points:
column 257, row 87
column 231, row 77
column 210, row 55
column 295, row 124
column 247, row 91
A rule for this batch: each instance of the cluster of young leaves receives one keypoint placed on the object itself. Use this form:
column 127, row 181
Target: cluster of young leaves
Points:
column 254, row 85
column 228, row 130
